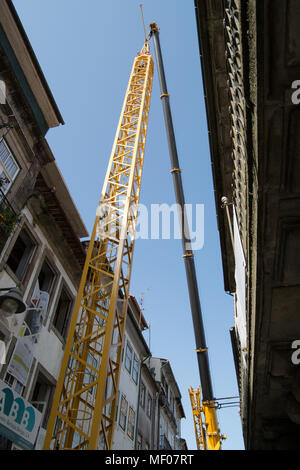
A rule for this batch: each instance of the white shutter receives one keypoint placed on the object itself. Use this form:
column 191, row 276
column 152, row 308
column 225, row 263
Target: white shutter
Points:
column 9, row 166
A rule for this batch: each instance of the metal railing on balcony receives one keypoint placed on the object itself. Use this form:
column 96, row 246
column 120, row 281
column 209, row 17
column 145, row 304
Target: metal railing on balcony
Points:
column 170, row 412
column 8, row 219
column 164, row 444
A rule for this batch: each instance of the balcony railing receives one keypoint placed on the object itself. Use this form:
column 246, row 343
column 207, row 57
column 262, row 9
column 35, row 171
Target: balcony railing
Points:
column 8, row 219
column 164, row 402
column 164, row 444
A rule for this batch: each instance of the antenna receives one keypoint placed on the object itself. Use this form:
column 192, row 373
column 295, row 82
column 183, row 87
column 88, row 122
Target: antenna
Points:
column 149, row 332
column 142, row 297
column 141, row 7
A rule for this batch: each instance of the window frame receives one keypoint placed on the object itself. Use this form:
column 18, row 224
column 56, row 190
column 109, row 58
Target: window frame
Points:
column 48, row 380
column 21, row 273
column 11, row 179
column 128, row 347
column 14, row 383
column 91, row 360
column 131, row 423
column 49, row 289
column 121, row 414
column 135, row 368
column 62, row 335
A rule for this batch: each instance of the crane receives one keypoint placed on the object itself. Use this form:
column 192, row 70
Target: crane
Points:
column 209, row 405
column 200, row 430
column 206, row 426
column 85, row 399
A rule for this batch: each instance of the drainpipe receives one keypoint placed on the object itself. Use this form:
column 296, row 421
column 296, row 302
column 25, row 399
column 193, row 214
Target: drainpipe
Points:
column 188, row 256
column 138, row 403
column 155, row 400
column 158, row 421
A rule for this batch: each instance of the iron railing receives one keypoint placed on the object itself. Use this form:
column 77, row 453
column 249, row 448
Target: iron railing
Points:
column 8, row 219
column 164, row 444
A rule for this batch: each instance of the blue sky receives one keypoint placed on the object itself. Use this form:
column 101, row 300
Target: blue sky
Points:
column 86, row 50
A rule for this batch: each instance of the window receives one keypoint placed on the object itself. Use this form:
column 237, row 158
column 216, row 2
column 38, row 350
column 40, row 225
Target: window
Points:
column 8, row 167
column 142, row 395
column 41, row 397
column 104, row 303
column 14, row 383
column 135, row 369
column 89, row 376
column 61, row 315
column 123, row 412
column 46, row 278
column 149, row 405
column 20, row 255
column 131, row 423
column 128, row 357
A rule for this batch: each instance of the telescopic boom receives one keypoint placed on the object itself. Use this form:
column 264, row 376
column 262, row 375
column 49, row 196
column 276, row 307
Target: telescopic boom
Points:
column 209, row 408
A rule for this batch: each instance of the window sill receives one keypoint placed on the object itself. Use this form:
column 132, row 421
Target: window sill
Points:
column 59, row 336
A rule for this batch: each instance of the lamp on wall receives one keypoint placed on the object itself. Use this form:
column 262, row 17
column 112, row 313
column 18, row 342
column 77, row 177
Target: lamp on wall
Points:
column 12, row 302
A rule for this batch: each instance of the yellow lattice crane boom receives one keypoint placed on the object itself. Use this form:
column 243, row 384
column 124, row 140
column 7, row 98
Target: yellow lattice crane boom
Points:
column 84, row 406
column 197, row 409
column 207, row 432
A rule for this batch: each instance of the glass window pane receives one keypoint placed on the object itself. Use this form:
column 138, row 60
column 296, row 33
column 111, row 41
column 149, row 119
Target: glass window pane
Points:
column 131, row 423
column 7, row 160
column 128, row 358
column 123, row 412
column 135, row 369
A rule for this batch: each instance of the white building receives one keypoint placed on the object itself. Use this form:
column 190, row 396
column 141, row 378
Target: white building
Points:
column 135, row 352
column 149, row 403
column 40, row 231
column 169, row 407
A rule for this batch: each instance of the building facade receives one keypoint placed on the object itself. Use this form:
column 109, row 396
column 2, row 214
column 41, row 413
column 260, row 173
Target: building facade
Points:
column 169, row 407
column 250, row 57
column 135, row 352
column 149, row 402
column 40, row 231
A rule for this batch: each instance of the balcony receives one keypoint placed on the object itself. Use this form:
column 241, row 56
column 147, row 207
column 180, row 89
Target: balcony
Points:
column 164, row 444
column 8, row 219
column 165, row 404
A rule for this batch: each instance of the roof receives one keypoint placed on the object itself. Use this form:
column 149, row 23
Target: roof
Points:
column 56, row 182
column 211, row 39
column 24, row 62
column 58, row 200
column 141, row 319
column 134, row 321
column 168, row 371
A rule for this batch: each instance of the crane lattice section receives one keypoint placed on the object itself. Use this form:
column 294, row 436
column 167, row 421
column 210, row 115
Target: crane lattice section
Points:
column 85, row 401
